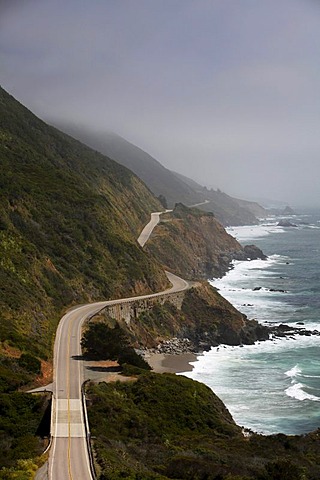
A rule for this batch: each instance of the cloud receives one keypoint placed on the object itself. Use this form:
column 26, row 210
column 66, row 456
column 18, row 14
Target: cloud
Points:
column 221, row 90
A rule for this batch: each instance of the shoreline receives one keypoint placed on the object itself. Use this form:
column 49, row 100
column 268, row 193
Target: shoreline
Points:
column 180, row 362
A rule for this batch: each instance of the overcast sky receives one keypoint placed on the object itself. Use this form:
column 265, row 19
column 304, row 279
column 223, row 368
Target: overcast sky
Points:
column 224, row 91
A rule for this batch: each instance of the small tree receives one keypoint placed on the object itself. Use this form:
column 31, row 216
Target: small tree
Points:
column 129, row 356
column 101, row 342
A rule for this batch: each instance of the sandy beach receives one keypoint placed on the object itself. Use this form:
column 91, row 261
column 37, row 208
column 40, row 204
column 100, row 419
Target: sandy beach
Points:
column 162, row 362
column 108, row 371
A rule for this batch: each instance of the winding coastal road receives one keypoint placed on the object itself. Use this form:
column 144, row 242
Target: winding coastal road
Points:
column 69, row 454
column 146, row 232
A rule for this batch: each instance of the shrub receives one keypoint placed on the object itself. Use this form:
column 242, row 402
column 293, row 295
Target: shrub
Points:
column 30, row 363
column 101, row 342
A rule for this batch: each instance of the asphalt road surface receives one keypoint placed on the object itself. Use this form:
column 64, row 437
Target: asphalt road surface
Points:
column 146, row 232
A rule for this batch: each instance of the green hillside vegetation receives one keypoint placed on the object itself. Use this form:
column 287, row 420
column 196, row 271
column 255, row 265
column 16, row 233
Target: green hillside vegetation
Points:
column 170, row 427
column 22, row 421
column 159, row 179
column 69, row 219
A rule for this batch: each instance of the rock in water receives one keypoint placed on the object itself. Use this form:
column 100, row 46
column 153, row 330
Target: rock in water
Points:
column 251, row 252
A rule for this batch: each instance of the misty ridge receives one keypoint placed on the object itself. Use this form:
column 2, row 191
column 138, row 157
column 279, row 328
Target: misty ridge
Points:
column 223, row 93
column 172, row 186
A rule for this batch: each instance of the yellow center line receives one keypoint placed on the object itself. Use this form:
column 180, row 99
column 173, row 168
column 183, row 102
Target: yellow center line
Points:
column 68, row 390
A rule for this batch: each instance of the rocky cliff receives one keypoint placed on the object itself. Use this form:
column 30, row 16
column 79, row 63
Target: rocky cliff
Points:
column 194, row 244
column 202, row 319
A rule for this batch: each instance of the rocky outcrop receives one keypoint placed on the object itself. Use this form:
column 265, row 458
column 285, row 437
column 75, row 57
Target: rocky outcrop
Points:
column 281, row 211
column 174, row 346
column 284, row 330
column 195, row 245
column 286, row 223
column 205, row 319
column 288, row 211
column 216, row 321
column 250, row 252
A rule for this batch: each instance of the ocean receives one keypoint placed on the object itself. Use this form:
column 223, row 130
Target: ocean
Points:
column 272, row 386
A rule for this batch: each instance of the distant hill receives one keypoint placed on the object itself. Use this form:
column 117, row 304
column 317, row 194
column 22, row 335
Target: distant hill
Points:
column 228, row 210
column 176, row 188
column 69, row 220
column 254, row 207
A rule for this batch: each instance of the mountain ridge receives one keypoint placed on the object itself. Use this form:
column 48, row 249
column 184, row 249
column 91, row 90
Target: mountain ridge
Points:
column 175, row 187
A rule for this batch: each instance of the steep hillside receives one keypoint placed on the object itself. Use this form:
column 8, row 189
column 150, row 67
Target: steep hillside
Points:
column 228, row 210
column 254, row 207
column 193, row 244
column 159, row 179
column 174, row 187
column 69, row 219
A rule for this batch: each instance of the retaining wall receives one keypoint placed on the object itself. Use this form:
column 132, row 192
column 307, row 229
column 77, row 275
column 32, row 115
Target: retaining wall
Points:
column 130, row 310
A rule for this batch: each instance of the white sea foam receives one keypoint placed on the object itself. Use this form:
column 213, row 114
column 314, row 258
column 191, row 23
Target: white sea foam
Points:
column 241, row 376
column 250, row 232
column 212, row 360
column 311, row 226
column 254, row 268
column 242, row 286
column 296, row 391
column 272, row 370
column 293, row 372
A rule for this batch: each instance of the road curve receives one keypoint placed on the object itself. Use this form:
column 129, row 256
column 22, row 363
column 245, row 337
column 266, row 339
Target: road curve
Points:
column 69, row 457
column 146, row 232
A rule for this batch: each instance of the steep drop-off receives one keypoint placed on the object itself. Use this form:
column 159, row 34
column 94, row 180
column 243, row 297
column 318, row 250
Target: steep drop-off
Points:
column 69, row 219
column 205, row 318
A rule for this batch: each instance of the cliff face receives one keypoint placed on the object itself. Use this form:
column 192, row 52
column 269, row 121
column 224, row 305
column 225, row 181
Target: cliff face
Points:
column 205, row 318
column 215, row 320
column 193, row 244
